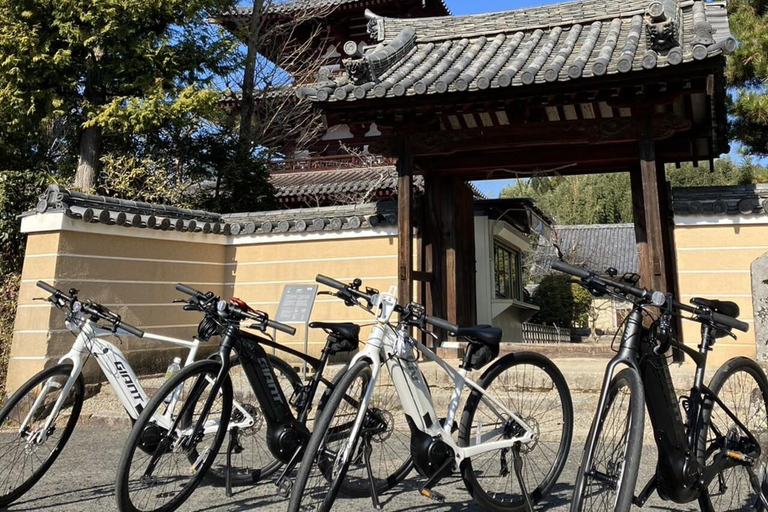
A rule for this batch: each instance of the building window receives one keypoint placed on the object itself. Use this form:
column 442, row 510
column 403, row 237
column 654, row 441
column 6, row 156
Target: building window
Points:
column 507, row 272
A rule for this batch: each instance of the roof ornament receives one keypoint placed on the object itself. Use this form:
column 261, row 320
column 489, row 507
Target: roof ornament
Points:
column 375, row 25
column 373, row 64
column 663, row 31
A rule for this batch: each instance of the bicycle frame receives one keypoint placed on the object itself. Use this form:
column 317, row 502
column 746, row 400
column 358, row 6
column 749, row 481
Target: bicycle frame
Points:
column 382, row 345
column 113, row 363
column 261, row 377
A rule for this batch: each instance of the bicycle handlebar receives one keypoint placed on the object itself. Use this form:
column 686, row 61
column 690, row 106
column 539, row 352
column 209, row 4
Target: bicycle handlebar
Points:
column 441, row 324
column 330, row 282
column 274, row 324
column 187, row 290
column 135, row 331
column 95, row 310
column 355, row 294
column 640, row 293
column 649, row 295
column 352, row 292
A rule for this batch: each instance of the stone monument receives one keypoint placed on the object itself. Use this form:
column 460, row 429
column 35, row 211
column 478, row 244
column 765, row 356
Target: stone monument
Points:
column 759, row 271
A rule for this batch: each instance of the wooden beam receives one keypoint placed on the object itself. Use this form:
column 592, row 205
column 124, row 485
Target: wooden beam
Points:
column 405, row 224
column 536, row 161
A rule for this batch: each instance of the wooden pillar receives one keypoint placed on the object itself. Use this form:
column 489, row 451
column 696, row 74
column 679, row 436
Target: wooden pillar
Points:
column 649, row 214
column 405, row 224
column 449, row 249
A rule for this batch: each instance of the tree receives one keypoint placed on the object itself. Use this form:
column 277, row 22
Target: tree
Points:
column 278, row 53
column 747, row 72
column 607, row 198
column 107, row 69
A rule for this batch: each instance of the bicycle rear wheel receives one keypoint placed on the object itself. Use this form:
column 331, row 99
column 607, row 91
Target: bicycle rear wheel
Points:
column 23, row 458
column 252, row 460
column 532, row 387
column 741, row 386
column 608, row 482
column 161, row 465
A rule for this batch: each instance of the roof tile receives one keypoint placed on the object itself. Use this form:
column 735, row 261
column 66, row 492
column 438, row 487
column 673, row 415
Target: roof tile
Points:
column 557, row 42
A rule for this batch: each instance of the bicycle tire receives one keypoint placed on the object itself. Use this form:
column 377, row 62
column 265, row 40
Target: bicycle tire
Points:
column 316, row 470
column 526, row 388
column 633, row 432
column 757, row 397
column 383, row 402
column 138, row 437
column 242, row 475
column 78, row 387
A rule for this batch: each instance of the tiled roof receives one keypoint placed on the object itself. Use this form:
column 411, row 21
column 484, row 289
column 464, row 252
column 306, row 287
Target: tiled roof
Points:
column 558, row 42
column 126, row 214
column 596, row 247
column 736, row 200
column 371, row 181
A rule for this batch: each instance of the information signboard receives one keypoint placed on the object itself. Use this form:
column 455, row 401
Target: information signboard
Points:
column 296, row 303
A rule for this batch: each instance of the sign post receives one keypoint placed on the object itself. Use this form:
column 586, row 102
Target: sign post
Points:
column 295, row 308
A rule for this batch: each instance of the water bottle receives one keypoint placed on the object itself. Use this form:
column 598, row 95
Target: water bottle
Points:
column 172, row 368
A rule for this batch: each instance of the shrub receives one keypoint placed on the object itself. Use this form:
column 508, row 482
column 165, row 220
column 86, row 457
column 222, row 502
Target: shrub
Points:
column 561, row 303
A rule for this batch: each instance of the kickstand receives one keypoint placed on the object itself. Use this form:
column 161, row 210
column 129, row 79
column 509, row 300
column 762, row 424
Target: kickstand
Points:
column 230, row 447
column 520, row 480
column 367, row 449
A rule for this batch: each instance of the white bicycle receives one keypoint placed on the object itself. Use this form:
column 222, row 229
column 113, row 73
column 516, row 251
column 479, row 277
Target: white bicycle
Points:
column 515, row 431
column 38, row 419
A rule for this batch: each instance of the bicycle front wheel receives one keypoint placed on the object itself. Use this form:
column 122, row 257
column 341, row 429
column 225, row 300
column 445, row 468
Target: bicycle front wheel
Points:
column 26, row 451
column 332, row 449
column 741, row 386
column 166, row 456
column 607, row 483
column 532, row 387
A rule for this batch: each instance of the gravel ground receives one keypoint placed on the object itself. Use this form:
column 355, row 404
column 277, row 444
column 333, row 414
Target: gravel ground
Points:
column 82, row 481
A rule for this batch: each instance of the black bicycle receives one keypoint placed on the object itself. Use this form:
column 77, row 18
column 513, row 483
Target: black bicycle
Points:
column 712, row 444
column 177, row 438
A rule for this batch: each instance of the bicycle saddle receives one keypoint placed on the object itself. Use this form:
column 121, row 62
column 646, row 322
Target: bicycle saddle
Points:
column 346, row 330
column 484, row 334
column 724, row 307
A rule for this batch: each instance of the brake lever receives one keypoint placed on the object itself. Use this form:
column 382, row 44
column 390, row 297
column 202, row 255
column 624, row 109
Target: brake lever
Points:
column 258, row 327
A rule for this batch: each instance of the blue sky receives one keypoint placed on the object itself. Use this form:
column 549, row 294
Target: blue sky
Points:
column 472, row 7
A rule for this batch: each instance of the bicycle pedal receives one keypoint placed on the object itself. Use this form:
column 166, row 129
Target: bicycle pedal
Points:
column 433, row 495
column 741, row 457
column 284, row 487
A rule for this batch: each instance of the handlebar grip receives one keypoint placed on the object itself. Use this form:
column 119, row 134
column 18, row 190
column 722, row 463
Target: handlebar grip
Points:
column 441, row 324
column 287, row 329
column 327, row 281
column 186, row 289
column 570, row 269
column 135, row 331
column 45, row 286
column 730, row 321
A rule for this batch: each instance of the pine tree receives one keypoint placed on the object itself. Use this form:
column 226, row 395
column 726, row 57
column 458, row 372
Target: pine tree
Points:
column 748, row 73
column 107, row 68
